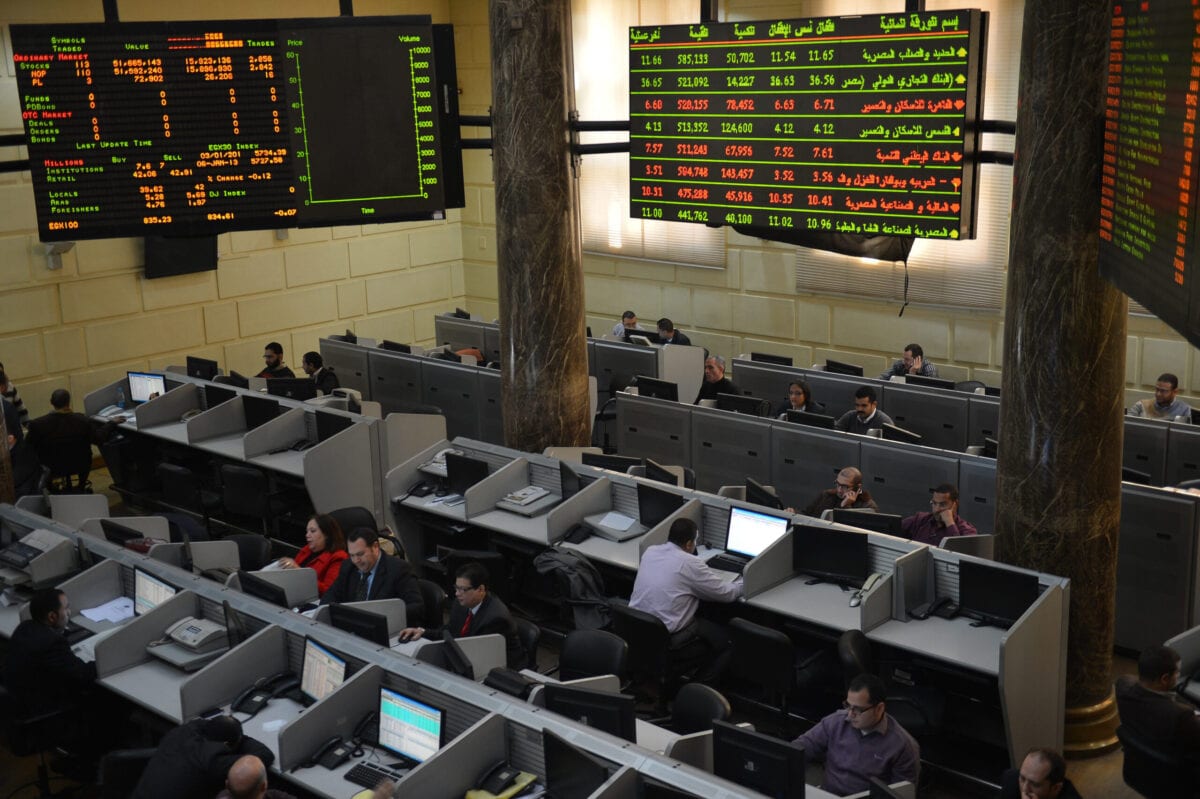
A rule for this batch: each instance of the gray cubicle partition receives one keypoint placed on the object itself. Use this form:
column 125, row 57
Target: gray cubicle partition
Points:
column 1145, row 448
column 460, row 333
column 765, row 381
column 491, row 414
column 621, row 361
column 977, row 492
column 902, row 478
column 805, row 461
column 349, row 362
column 983, row 418
column 654, row 428
column 395, row 379
column 727, row 448
column 1183, row 454
column 939, row 416
column 453, row 387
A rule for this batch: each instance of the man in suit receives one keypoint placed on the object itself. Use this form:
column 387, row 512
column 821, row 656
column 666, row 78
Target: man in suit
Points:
column 1149, row 708
column 314, row 366
column 370, row 574
column 63, row 437
column 477, row 612
column 191, row 761
column 667, row 333
column 41, row 671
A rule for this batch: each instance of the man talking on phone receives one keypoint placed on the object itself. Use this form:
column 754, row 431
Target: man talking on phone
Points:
column 846, row 493
column 913, row 363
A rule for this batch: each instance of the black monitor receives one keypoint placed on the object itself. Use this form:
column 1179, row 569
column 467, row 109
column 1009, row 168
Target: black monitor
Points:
column 571, row 773
column 202, row 368
column 446, row 355
column 330, row 424
column 462, row 314
column 265, row 590
column 568, row 481
column 659, row 389
column 993, row 594
column 656, row 790
column 119, row 534
column 763, row 357
column 350, row 337
column 235, row 628
column 1135, row 476
column 994, row 391
column 452, row 658
column 771, row 766
column 322, row 671
column 811, row 419
column 881, row 790
column 830, row 555
column 237, row 379
column 617, row 463
column 654, row 504
column 656, row 471
column 363, row 623
column 215, row 395
column 649, row 335
column 839, row 368
column 258, row 410
column 393, row 346
column 757, row 494
column 893, row 433
column 609, row 712
column 409, row 728
column 462, row 472
column 869, row 520
column 145, row 386
column 929, row 382
column 149, row 592
column 741, row 403
column 297, row 388
column 991, row 447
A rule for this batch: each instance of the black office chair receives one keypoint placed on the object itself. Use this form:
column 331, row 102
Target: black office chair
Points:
column 26, row 735
column 434, row 597
column 530, row 635
column 353, row 517
column 695, row 708
column 768, row 672
column 66, row 464
column 919, row 709
column 649, row 650
column 254, row 550
column 246, row 492
column 181, row 490
column 120, row 771
column 590, row 653
column 969, row 385
column 1153, row 773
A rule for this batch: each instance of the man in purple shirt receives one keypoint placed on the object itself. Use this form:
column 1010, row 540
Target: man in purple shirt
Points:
column 862, row 741
column 943, row 520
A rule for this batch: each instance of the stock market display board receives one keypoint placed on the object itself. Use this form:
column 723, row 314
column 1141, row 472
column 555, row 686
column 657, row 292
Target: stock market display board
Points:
column 193, row 128
column 1148, row 173
column 862, row 125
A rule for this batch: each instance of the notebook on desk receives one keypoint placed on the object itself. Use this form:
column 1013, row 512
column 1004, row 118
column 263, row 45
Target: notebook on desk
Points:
column 528, row 501
column 615, row 526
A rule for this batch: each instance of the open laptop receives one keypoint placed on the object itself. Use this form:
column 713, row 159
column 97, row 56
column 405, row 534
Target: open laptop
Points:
column 750, row 533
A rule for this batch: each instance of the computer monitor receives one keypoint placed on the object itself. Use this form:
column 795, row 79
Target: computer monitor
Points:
column 407, row 727
column 648, row 335
column 757, row 494
column 763, row 357
column 1135, row 476
column 322, row 671
column 659, row 389
column 568, row 481
column 297, row 388
column 656, row 471
column 258, row 410
column 994, row 391
column 616, row 463
column 202, row 368
column 149, row 592
column 991, row 447
column 993, row 594
column 771, row 766
column 740, row 403
column 889, row 523
column 239, row 380
column 392, row 346
column 654, row 504
column 462, row 472
column 929, row 382
column 119, row 534
column 881, row 790
column 839, row 368
column 656, row 790
column 363, row 623
column 215, row 395
column 265, row 590
column 811, row 419
column 571, row 773
column 830, row 555
column 893, row 433
column 330, row 424
column 602, row 710
column 350, row 337
column 751, row 532
column 446, row 355
column 235, row 628
column 462, row 314
column 143, row 386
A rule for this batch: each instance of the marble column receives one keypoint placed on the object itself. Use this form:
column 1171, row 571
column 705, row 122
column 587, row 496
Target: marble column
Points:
column 544, row 350
column 1059, row 467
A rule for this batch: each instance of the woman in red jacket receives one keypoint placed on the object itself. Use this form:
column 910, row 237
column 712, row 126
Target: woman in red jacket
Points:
column 324, row 552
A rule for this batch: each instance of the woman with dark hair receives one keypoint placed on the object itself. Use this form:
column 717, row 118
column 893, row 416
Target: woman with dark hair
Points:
column 324, row 551
column 800, row 398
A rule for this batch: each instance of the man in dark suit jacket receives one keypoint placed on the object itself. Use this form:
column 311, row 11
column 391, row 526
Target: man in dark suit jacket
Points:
column 1149, row 708
column 477, row 612
column 370, row 574
column 41, row 671
column 65, row 437
column 192, row 760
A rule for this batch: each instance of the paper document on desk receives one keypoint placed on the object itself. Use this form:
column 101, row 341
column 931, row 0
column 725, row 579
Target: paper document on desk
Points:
column 116, row 610
column 617, row 521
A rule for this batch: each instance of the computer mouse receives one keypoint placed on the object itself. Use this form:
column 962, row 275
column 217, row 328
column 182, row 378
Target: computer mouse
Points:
column 855, row 599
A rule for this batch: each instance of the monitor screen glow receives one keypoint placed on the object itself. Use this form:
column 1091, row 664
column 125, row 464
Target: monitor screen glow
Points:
column 144, row 386
column 750, row 532
column 323, row 672
column 408, row 727
column 149, row 592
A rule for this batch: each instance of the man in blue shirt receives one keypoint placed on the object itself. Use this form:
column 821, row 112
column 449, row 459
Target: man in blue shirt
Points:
column 1165, row 404
column 369, row 573
column 913, row 363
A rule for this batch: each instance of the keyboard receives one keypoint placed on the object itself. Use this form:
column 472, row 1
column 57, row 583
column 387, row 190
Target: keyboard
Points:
column 368, row 775
column 727, row 563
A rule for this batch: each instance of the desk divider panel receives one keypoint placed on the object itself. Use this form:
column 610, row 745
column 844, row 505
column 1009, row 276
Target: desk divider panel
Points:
column 595, row 497
column 455, row 768
column 282, row 431
column 773, row 566
column 350, row 362
column 337, row 714
column 454, row 388
column 72, row 510
column 127, row 646
column 1036, row 646
column 95, row 586
column 805, row 462
column 484, row 495
column 694, row 749
column 912, row 582
column 652, row 428
column 692, row 509
column 395, row 378
column 218, row 683
column 902, row 478
column 683, row 366
column 983, row 418
column 939, row 416
column 486, row 652
column 767, row 382
column 491, row 414
column 214, row 555
column 1145, row 448
column 168, row 407
column 729, row 447
column 95, row 401
column 1183, row 454
column 977, row 491
column 405, row 434
column 876, row 605
column 226, row 419
column 343, row 470
column 621, row 785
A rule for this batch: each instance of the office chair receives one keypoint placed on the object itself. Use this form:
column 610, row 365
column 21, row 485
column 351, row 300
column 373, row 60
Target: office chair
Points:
column 770, row 673
column 591, row 653
column 246, row 491
column 181, row 490
column 254, row 550
column 530, row 635
column 919, row 709
column 1154, row 773
column 969, row 385
column 649, row 649
column 694, row 709
column 26, row 735
column 434, row 597
column 66, row 465
column 353, row 517
column 120, row 771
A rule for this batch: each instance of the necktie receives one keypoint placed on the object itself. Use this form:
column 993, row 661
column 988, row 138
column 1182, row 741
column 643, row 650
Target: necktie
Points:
column 360, row 593
column 466, row 628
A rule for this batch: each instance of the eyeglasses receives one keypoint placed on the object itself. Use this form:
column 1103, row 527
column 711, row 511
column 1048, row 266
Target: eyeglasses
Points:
column 844, row 486
column 855, row 710
column 462, row 589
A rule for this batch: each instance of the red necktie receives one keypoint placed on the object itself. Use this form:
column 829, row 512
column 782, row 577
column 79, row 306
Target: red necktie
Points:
column 466, row 628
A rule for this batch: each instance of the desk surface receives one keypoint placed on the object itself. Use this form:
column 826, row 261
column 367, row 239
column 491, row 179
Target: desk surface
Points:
column 625, row 554
column 153, row 684
column 823, row 603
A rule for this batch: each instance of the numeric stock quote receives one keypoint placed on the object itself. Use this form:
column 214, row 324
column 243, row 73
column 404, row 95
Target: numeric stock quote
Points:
column 861, row 125
column 192, row 128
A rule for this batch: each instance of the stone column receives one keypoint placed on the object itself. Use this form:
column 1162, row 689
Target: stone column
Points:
column 544, row 350
column 1059, row 468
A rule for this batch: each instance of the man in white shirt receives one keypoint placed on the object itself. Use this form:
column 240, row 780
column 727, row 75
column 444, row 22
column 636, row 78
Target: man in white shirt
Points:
column 670, row 583
column 628, row 323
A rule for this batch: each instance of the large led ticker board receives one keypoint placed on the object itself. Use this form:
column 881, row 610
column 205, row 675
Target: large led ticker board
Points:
column 192, row 128
column 862, row 125
column 1149, row 169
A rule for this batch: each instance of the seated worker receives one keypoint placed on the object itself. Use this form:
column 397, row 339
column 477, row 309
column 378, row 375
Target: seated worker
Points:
column 370, row 574
column 273, row 358
column 715, row 381
column 1043, row 775
column 41, row 671
column 65, row 437
column 942, row 520
column 477, row 611
column 865, row 416
column 847, row 492
column 324, row 550
column 1165, row 404
column 629, row 322
column 799, row 398
column 9, row 390
column 26, row 470
column 247, row 779
column 1150, row 709
column 192, row 760
column 667, row 333
column 913, row 363
column 314, row 366
column 862, row 741
column 671, row 580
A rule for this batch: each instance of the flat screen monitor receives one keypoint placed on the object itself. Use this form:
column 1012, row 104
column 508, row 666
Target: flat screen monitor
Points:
column 771, row 766
column 830, row 555
column 215, row 395
column 751, row 532
column 609, row 712
column 239, row 380
column 363, row 623
column 992, row 594
column 616, row 463
column 297, row 388
column 757, row 494
column 889, row 523
column 839, row 368
column 648, row 335
column 144, row 386
column 656, row 790
column 991, row 447
column 462, row 472
column 893, row 433
column 656, row 471
column 764, row 357
column 265, row 590
column 322, row 671
column 1135, row 476
column 119, row 534
column 330, row 424
column 202, row 368
column 461, row 313
column 234, row 626
column 571, row 773
column 659, row 389
column 449, row 656
column 994, row 391
column 654, row 504
column 881, row 790
column 392, row 346
column 149, row 592
column 350, row 337
column 811, row 419
column 928, row 382
column 740, row 403
column 568, row 481
column 258, row 410
column 407, row 727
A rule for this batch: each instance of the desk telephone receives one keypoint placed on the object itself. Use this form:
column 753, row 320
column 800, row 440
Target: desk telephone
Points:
column 337, row 750
column 19, row 553
column 109, row 411
column 256, row 697
column 198, row 635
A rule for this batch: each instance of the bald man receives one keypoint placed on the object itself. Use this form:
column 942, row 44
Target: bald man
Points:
column 247, row 779
column 846, row 493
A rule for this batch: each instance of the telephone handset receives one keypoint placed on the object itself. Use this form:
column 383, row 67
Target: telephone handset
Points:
column 497, row 778
column 198, row 635
column 360, row 731
column 255, row 698
column 332, row 753
column 869, row 583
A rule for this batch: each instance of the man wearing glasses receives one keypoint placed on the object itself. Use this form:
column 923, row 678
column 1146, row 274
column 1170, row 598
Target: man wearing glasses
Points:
column 862, row 741
column 941, row 521
column 847, row 492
